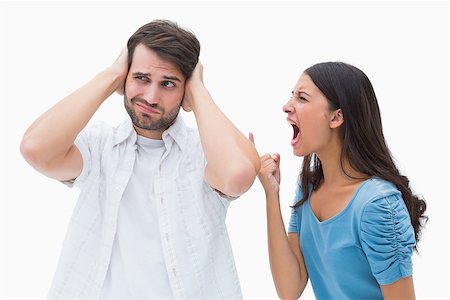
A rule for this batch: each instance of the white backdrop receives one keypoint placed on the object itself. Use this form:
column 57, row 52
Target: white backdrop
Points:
column 253, row 53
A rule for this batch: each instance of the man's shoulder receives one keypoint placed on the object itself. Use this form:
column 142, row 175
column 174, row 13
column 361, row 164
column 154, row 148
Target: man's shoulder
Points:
column 96, row 127
column 192, row 133
column 99, row 132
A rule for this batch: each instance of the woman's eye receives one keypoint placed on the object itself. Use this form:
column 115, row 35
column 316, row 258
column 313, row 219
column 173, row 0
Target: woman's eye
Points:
column 167, row 84
column 298, row 97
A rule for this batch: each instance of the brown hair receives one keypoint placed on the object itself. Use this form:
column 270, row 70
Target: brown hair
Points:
column 348, row 88
column 170, row 42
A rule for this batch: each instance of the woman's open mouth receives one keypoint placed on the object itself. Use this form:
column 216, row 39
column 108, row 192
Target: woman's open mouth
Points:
column 296, row 137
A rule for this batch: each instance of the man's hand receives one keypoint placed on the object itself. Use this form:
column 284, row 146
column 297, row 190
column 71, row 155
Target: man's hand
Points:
column 50, row 149
column 233, row 162
column 193, row 84
column 120, row 67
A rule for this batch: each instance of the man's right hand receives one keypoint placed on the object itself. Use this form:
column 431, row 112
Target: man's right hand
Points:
column 120, row 67
column 50, row 149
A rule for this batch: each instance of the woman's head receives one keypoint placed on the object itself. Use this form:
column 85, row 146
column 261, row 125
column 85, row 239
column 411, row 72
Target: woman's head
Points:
column 353, row 107
column 315, row 120
column 348, row 89
column 334, row 100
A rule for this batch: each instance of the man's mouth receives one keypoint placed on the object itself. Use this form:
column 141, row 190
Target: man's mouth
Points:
column 147, row 109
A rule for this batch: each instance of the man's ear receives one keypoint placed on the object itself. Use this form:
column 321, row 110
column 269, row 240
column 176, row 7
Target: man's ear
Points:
column 337, row 118
column 185, row 105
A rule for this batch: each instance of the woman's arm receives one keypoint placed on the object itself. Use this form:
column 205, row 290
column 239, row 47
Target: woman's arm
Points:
column 286, row 260
column 401, row 289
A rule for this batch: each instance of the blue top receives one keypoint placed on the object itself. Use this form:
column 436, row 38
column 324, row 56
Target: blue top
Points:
column 368, row 244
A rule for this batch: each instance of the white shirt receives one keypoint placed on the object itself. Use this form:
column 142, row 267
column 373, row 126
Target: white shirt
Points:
column 137, row 269
column 194, row 239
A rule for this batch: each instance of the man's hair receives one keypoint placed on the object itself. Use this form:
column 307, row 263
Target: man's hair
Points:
column 171, row 42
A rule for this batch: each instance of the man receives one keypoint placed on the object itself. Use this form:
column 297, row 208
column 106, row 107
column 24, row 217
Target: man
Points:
column 150, row 219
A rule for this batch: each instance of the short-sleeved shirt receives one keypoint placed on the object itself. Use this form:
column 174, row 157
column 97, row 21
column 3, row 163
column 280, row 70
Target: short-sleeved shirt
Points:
column 137, row 269
column 368, row 244
column 191, row 216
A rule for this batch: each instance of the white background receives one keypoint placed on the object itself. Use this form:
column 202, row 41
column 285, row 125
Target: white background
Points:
column 253, row 53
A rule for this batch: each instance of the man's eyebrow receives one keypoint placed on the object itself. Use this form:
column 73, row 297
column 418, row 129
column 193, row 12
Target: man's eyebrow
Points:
column 174, row 78
column 140, row 74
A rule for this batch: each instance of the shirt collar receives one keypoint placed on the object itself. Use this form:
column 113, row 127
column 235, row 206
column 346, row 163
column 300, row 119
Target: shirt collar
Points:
column 125, row 130
column 177, row 133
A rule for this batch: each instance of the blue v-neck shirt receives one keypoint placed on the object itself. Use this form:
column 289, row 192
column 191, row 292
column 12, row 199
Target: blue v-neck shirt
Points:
column 368, row 244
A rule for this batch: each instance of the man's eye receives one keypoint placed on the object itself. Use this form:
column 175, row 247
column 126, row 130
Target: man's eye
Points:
column 141, row 77
column 167, row 84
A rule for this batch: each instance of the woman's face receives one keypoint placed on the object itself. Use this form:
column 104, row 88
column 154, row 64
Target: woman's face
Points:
column 309, row 114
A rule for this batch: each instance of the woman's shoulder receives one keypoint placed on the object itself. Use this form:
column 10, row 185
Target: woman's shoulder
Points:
column 374, row 189
column 386, row 233
column 381, row 204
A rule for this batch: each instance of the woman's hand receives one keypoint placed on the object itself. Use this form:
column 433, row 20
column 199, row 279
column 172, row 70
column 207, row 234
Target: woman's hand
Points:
column 269, row 174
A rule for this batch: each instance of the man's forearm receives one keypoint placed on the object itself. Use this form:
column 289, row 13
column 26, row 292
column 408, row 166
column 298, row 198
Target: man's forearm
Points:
column 54, row 132
column 233, row 161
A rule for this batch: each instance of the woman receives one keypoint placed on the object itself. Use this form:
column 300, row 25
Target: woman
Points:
column 355, row 221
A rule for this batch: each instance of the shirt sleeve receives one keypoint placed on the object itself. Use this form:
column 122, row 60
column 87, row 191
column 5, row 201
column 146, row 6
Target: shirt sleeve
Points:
column 294, row 225
column 87, row 142
column 387, row 238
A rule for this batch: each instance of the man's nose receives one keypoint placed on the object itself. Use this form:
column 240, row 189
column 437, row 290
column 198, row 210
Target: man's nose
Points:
column 152, row 94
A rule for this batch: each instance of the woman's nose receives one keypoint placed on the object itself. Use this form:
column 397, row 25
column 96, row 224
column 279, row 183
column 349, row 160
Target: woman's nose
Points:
column 287, row 108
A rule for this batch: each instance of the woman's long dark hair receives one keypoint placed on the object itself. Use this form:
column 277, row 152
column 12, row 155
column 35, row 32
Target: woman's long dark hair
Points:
column 364, row 147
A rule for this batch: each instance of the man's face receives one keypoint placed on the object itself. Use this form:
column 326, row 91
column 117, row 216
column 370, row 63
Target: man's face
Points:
column 154, row 90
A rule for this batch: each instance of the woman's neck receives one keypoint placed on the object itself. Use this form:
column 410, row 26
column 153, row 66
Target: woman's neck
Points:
column 337, row 173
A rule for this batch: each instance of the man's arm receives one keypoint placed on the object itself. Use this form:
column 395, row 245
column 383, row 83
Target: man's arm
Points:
column 232, row 160
column 48, row 144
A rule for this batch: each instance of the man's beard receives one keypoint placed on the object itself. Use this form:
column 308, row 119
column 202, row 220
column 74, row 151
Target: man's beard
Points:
column 145, row 121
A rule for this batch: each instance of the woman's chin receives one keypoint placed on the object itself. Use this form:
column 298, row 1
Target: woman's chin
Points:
column 298, row 152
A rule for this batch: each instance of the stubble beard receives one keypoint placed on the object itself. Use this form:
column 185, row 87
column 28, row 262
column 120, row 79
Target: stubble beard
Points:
column 145, row 121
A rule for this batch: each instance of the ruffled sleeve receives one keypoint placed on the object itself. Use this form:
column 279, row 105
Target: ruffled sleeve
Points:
column 294, row 225
column 387, row 238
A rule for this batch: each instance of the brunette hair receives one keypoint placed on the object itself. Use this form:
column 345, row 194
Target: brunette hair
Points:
column 170, row 42
column 364, row 147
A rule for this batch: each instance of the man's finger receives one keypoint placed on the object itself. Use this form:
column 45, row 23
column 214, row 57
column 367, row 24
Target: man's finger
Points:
column 251, row 138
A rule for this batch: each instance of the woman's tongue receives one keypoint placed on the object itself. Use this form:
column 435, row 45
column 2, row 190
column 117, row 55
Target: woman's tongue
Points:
column 296, row 136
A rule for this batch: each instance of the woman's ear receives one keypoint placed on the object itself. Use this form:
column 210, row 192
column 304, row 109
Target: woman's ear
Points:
column 337, row 118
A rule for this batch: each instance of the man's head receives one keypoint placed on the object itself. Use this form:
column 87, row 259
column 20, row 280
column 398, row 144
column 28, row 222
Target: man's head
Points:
column 161, row 57
column 171, row 42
